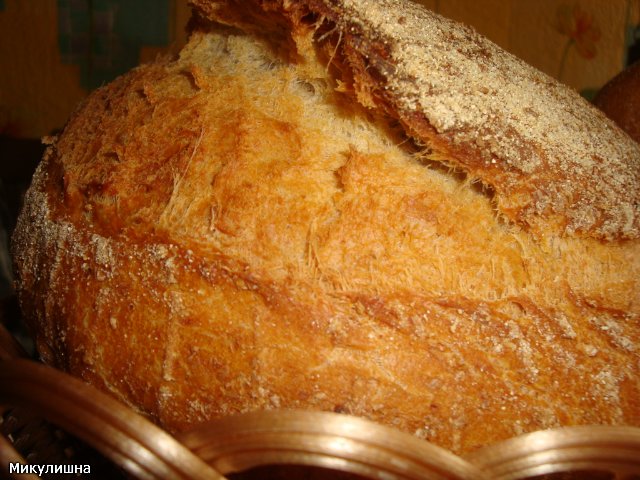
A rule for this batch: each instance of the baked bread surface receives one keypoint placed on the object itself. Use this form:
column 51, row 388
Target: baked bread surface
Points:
column 250, row 226
column 553, row 164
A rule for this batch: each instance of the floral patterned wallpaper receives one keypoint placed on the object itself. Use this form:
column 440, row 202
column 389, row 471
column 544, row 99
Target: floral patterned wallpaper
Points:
column 581, row 32
column 583, row 43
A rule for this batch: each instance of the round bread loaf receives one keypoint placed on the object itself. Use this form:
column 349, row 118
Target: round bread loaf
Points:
column 620, row 100
column 349, row 205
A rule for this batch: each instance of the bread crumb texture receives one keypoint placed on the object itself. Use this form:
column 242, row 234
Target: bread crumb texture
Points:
column 231, row 231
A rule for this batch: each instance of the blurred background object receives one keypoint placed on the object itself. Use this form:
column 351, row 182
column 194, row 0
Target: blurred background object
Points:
column 105, row 38
column 620, row 100
column 53, row 52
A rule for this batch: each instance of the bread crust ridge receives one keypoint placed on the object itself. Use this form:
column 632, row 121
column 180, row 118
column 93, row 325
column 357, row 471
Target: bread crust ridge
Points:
column 555, row 163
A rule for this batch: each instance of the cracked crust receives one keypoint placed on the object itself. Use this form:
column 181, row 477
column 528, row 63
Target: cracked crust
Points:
column 555, row 163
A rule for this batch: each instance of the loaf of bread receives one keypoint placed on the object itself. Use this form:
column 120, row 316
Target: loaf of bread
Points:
column 619, row 99
column 343, row 205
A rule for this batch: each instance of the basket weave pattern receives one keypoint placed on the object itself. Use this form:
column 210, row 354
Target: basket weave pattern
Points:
column 49, row 417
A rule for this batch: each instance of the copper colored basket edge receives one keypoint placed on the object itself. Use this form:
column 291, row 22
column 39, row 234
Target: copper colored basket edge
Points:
column 319, row 439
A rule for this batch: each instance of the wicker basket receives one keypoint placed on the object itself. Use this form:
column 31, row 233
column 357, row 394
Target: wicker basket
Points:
column 50, row 418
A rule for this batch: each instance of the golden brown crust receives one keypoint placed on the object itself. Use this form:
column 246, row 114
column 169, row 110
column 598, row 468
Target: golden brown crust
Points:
column 224, row 232
column 554, row 163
